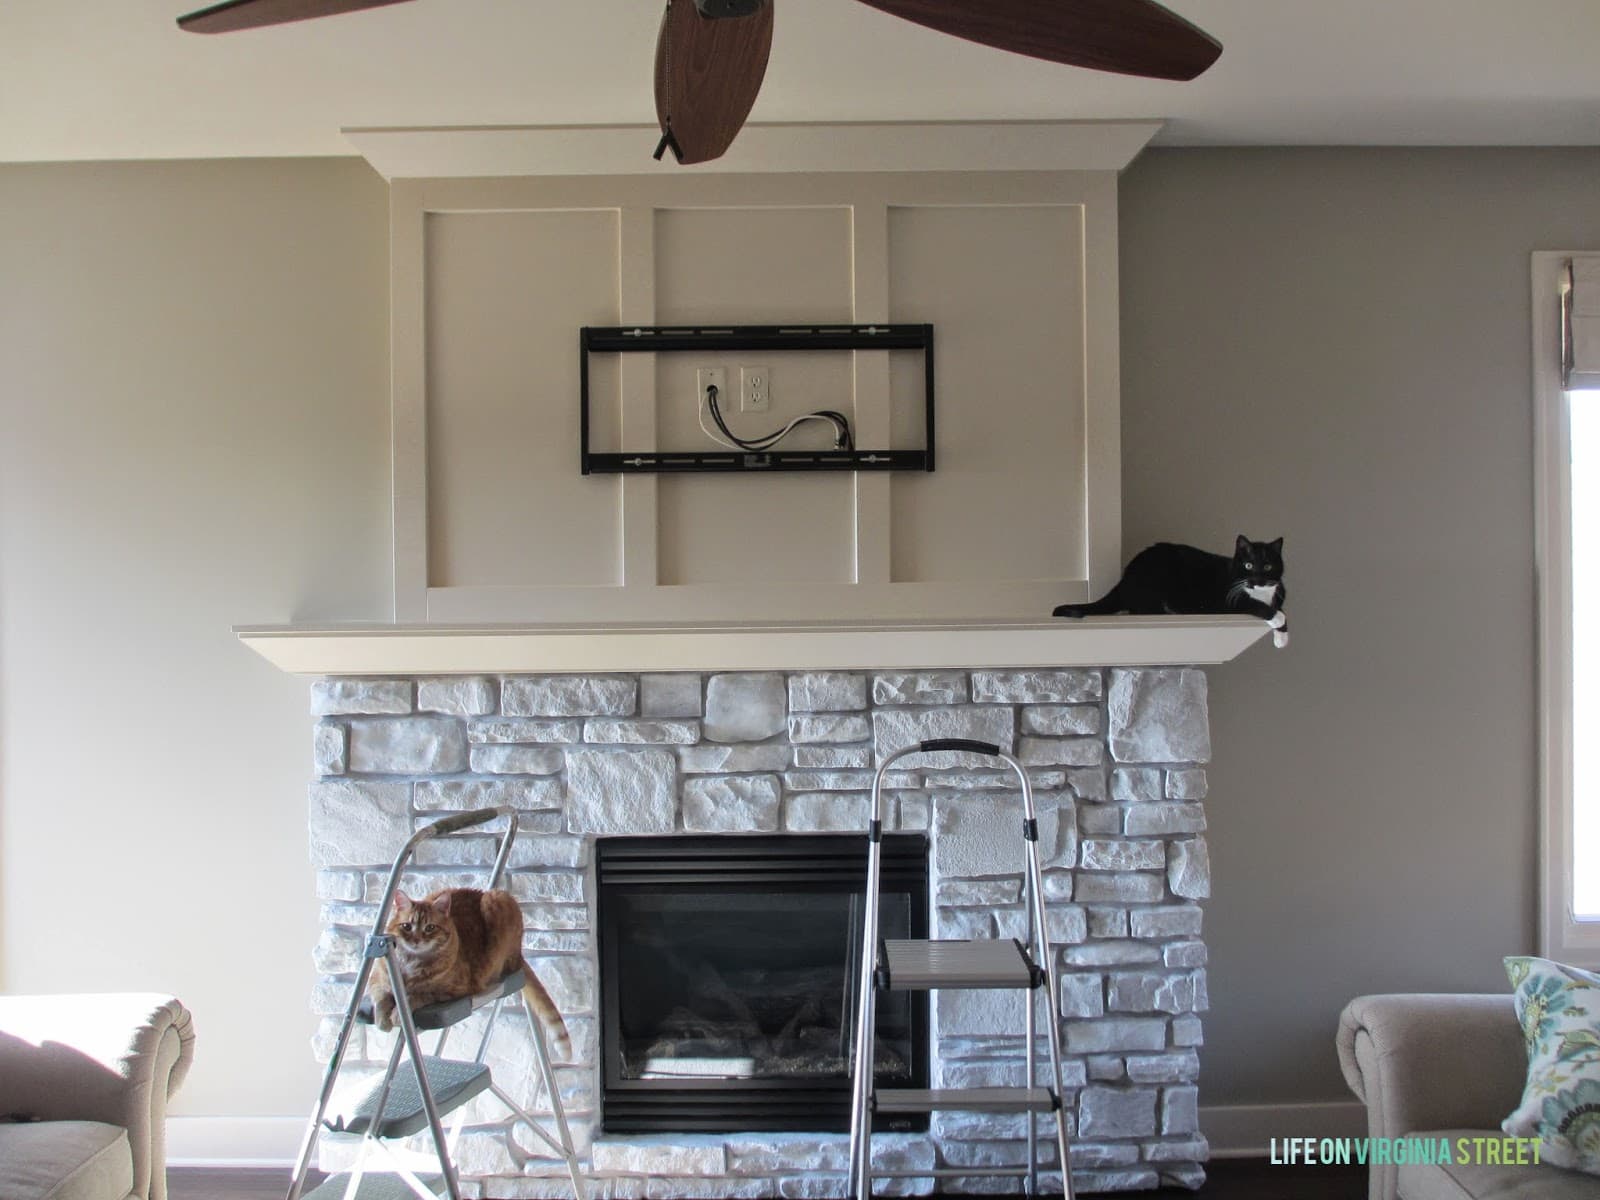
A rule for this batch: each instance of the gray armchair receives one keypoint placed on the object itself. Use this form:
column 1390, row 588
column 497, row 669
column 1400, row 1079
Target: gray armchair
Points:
column 1444, row 1066
column 84, row 1083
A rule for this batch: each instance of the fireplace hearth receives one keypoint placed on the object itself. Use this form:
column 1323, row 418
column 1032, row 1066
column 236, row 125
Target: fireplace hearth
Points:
column 727, row 980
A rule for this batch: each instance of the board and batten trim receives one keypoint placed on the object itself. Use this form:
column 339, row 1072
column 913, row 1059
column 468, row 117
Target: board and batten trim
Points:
column 408, row 403
column 869, row 263
column 636, row 305
column 1102, row 389
column 559, row 649
column 868, row 591
column 486, row 151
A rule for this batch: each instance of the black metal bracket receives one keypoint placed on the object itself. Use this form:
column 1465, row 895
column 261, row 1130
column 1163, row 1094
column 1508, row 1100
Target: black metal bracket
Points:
column 880, row 976
column 617, row 339
column 1036, row 975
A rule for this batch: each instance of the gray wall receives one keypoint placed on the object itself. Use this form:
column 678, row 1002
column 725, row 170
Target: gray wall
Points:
column 1328, row 345
column 1334, row 346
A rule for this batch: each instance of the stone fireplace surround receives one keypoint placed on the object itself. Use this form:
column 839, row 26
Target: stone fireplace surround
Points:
column 1116, row 756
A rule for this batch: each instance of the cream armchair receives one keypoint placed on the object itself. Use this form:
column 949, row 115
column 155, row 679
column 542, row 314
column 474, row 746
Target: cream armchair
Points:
column 1444, row 1066
column 84, row 1082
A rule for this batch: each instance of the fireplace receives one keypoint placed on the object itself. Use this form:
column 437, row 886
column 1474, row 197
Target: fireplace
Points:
column 706, row 772
column 727, row 980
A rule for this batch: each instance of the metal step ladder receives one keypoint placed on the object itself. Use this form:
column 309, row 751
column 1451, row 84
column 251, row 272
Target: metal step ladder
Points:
column 925, row 965
column 417, row 1095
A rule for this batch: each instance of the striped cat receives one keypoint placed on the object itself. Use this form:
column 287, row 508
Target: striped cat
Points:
column 459, row 942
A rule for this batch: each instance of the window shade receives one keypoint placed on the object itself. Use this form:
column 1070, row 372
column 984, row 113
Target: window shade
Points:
column 1580, row 325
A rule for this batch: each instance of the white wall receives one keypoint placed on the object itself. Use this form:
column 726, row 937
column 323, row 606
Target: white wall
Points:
column 193, row 433
column 1328, row 345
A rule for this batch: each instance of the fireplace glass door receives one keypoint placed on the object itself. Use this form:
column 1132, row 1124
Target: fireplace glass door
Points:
column 729, row 969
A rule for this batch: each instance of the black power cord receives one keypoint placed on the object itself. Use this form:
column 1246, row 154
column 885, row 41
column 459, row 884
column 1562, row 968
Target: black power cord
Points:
column 841, row 427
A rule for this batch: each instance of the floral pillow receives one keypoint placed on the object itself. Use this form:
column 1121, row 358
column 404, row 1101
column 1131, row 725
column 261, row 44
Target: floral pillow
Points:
column 1559, row 1008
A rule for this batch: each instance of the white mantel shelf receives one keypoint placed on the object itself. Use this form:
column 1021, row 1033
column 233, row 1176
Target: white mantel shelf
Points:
column 544, row 649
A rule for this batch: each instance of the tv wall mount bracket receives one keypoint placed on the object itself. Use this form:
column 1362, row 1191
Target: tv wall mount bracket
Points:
column 667, row 339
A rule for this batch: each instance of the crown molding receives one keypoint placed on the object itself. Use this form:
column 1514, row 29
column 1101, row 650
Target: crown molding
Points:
column 498, row 151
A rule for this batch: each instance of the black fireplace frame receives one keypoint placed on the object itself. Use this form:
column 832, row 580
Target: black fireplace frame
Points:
column 804, row 862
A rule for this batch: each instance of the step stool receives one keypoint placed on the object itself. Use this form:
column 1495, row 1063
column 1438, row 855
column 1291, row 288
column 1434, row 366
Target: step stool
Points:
column 929, row 965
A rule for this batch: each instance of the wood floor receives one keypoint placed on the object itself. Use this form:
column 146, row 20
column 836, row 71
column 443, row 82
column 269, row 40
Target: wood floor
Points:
column 1230, row 1179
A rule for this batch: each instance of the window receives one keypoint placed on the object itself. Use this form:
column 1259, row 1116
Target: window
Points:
column 1566, row 377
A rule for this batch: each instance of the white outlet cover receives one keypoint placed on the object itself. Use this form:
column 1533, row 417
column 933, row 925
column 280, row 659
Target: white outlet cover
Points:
column 755, row 389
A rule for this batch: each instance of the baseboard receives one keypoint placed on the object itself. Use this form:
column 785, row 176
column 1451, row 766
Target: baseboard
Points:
column 1245, row 1130
column 234, row 1141
column 1234, row 1131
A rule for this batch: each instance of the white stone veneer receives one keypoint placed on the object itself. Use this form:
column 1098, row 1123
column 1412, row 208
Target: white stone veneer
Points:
column 1115, row 757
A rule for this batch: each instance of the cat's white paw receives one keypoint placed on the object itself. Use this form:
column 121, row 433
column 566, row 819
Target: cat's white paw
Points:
column 1277, row 620
column 1280, row 638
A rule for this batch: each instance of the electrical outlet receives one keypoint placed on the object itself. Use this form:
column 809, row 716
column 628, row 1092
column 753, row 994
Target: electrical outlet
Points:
column 755, row 389
column 707, row 377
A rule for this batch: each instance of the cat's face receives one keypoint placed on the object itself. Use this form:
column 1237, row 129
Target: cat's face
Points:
column 1258, row 564
column 423, row 926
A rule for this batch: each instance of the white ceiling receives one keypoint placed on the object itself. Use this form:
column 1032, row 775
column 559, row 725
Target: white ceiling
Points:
column 113, row 79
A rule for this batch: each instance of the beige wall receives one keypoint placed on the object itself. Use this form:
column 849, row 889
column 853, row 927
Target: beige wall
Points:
column 1333, row 346
column 1328, row 345
column 193, row 433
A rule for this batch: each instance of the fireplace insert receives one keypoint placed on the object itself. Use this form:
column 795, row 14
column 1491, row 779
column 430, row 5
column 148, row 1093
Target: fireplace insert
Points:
column 727, row 980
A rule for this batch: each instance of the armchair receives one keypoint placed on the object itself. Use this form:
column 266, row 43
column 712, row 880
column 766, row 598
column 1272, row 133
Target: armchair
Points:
column 84, row 1083
column 1444, row 1066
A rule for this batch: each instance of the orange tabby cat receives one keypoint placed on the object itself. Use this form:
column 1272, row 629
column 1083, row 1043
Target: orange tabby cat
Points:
column 459, row 942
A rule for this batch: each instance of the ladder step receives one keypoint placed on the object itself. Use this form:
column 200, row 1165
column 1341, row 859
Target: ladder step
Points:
column 449, row 1012
column 374, row 1186
column 918, row 965
column 953, row 1173
column 990, row 1099
column 453, row 1083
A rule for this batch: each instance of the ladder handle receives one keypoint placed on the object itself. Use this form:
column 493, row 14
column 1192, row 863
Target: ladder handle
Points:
column 968, row 744
column 445, row 825
column 458, row 821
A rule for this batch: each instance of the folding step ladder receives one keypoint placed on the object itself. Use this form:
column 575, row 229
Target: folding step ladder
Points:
column 404, row 1102
column 921, row 965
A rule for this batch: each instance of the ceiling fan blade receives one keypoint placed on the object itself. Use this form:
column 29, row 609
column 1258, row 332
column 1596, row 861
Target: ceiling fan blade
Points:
column 708, row 74
column 250, row 14
column 1132, row 37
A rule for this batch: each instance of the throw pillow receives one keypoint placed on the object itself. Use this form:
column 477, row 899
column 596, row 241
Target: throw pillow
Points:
column 1559, row 1007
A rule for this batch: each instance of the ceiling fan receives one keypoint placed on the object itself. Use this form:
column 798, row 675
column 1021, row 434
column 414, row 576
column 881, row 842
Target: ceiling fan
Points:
column 711, row 55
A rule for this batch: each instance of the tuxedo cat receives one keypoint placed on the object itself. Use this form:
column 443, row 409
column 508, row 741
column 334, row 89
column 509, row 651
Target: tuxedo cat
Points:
column 1169, row 578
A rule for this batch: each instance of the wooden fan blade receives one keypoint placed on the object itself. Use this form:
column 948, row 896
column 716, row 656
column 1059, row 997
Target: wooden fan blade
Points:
column 250, row 14
column 1131, row 37
column 708, row 74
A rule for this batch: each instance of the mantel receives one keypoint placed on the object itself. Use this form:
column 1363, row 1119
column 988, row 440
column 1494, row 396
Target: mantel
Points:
column 476, row 649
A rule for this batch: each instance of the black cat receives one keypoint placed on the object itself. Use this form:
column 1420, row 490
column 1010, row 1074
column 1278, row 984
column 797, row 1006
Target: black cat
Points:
column 1169, row 578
